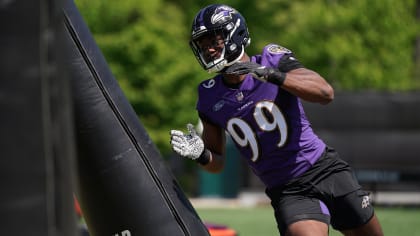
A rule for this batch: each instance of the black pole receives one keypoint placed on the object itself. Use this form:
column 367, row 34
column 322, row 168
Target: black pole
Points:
column 125, row 186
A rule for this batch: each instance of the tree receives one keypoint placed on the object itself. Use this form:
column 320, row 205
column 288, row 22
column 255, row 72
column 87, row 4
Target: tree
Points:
column 417, row 45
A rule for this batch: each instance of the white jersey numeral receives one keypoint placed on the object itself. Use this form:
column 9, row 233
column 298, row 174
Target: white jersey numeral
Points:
column 268, row 118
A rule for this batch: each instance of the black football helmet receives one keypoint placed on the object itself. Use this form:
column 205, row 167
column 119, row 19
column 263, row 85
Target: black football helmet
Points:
column 218, row 19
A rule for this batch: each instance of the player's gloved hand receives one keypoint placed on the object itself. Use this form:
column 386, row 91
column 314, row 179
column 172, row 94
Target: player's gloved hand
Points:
column 188, row 145
column 257, row 71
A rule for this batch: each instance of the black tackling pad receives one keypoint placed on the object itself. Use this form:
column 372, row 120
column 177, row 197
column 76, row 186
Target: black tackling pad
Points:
column 125, row 187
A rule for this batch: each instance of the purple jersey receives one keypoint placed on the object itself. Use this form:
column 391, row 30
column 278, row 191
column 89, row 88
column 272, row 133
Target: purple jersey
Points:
column 267, row 124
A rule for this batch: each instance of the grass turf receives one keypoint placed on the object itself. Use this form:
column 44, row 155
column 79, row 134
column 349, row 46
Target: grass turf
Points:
column 260, row 221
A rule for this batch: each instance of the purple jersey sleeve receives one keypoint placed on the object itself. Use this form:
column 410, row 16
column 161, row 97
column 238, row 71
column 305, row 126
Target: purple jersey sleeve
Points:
column 267, row 124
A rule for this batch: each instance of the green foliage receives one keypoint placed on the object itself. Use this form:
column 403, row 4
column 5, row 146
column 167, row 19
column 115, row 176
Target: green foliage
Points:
column 354, row 44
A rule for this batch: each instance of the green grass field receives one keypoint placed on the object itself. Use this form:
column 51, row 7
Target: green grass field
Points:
column 260, row 221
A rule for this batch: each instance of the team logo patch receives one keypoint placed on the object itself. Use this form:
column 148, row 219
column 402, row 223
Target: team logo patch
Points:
column 218, row 105
column 277, row 49
column 239, row 96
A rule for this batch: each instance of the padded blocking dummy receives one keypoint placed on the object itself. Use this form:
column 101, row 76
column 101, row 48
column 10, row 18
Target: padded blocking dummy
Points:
column 125, row 185
column 36, row 139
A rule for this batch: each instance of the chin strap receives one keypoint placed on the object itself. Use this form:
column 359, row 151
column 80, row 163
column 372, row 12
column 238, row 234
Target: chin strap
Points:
column 223, row 65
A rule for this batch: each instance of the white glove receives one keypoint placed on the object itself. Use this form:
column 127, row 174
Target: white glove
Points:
column 187, row 145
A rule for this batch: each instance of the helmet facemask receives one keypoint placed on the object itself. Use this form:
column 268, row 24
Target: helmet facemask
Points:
column 233, row 32
column 216, row 41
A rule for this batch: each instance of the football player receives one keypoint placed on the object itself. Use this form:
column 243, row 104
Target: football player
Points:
column 257, row 100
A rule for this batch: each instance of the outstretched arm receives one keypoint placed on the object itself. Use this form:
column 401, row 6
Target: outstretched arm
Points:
column 207, row 150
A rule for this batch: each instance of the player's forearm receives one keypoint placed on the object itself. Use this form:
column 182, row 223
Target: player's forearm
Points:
column 216, row 163
column 309, row 86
